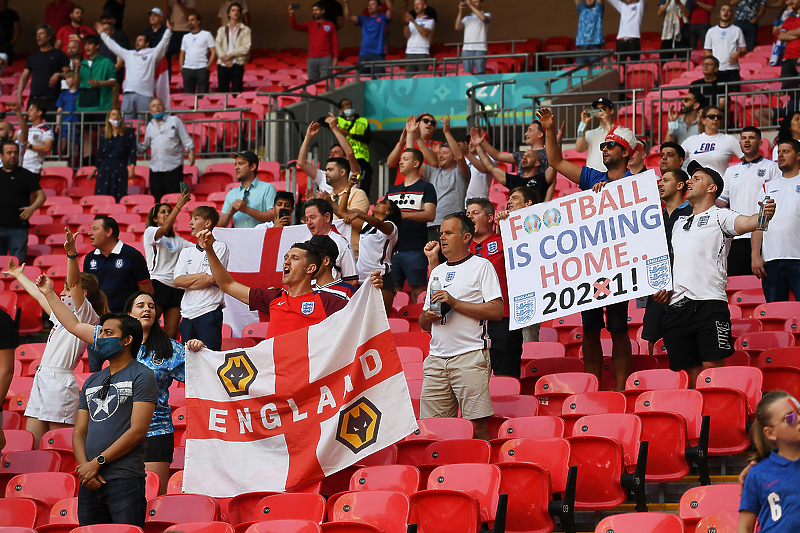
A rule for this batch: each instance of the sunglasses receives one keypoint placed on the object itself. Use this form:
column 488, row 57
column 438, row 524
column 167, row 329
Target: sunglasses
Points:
column 688, row 99
column 403, row 193
column 688, row 223
column 246, row 195
column 105, row 388
column 427, row 121
column 609, row 145
column 792, row 418
column 714, row 117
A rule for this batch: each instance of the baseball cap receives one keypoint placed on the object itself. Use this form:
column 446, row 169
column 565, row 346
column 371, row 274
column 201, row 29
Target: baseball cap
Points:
column 603, row 101
column 157, row 11
column 249, row 156
column 694, row 166
column 325, row 246
column 623, row 136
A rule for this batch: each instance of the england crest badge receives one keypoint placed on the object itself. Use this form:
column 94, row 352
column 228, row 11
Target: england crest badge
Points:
column 307, row 308
column 492, row 247
column 524, row 307
column 658, row 272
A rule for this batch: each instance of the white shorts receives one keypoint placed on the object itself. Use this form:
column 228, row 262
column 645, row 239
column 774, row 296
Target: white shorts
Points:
column 54, row 396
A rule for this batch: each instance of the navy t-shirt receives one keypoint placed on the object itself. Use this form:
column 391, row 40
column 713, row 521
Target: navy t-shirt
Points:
column 591, row 177
column 771, row 492
column 413, row 235
column 119, row 274
column 373, row 33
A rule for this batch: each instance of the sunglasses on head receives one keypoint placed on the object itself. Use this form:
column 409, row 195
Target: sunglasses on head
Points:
column 688, row 223
column 714, row 116
column 427, row 120
column 609, row 145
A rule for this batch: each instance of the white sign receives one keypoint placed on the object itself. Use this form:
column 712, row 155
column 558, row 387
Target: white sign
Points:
column 586, row 250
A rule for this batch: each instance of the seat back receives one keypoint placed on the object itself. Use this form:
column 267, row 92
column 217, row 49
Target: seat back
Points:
column 600, row 463
column 764, row 340
column 285, row 526
column 446, row 452
column 200, row 527
column 443, row 511
column 660, row 378
column 481, row 481
column 698, row 502
column 442, row 428
column 624, row 428
column 532, row 426
column 290, row 506
column 13, row 463
column 17, row 512
column 385, row 509
column 550, row 452
column 65, row 512
column 399, row 478
column 774, row 314
column 530, row 492
column 18, row 440
column 552, row 389
column 514, row 406
column 779, row 357
column 179, row 508
column 746, row 379
column 686, row 402
column 637, row 522
column 108, row 528
column 594, row 403
column 719, row 523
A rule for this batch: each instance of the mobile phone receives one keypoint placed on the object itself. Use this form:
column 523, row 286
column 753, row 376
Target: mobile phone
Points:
column 284, row 213
column 184, row 187
column 357, row 177
column 295, row 7
column 593, row 112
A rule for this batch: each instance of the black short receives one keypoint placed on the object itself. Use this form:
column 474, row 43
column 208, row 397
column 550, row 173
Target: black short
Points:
column 653, row 321
column 506, row 348
column 739, row 258
column 615, row 321
column 160, row 448
column 388, row 283
column 697, row 332
column 166, row 296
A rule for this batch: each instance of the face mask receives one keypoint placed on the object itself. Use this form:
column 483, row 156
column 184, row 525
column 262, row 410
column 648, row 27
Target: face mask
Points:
column 107, row 348
column 114, row 122
column 159, row 116
column 67, row 300
column 348, row 112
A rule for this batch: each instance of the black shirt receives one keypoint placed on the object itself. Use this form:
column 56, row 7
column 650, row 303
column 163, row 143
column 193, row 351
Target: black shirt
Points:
column 42, row 66
column 9, row 339
column 15, row 193
column 710, row 90
column 537, row 182
column 333, row 10
column 118, row 9
column 155, row 36
column 412, row 235
column 669, row 220
column 119, row 274
column 8, row 17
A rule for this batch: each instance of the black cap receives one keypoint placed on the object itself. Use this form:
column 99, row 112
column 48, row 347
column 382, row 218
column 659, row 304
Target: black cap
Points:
column 604, row 101
column 247, row 155
column 675, row 146
column 694, row 166
column 325, row 246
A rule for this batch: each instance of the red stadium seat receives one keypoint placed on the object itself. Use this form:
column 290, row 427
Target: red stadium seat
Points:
column 170, row 509
column 566, row 324
column 299, row 526
column 781, row 369
column 63, row 517
column 638, row 522
column 551, row 390
column 699, row 502
column 793, row 326
column 550, row 452
column 719, row 523
column 384, row 509
column 480, row 481
column 727, row 407
column 12, row 420
column 400, row 478
column 286, row 506
column 417, row 339
column 411, row 450
column 44, row 488
column 528, row 488
column 18, row 440
column 638, row 363
column 775, row 314
column 529, row 426
column 200, row 527
column 511, row 406
column 590, row 403
column 108, row 528
column 644, row 380
column 748, row 300
column 541, row 350
column 742, row 326
column 398, row 325
column 25, row 462
column 175, row 483
column 17, row 512
column 452, row 451
column 409, row 355
column 242, row 342
column 503, row 385
column 549, row 365
column 753, row 343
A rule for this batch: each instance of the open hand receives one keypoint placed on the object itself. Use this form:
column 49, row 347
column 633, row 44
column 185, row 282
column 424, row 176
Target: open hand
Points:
column 44, row 284
column 546, row 118
column 446, row 124
column 69, row 242
column 313, row 129
column 412, row 126
column 13, row 270
column 673, row 113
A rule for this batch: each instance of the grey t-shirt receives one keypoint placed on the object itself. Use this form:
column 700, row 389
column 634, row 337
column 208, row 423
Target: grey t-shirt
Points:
column 109, row 418
column 451, row 191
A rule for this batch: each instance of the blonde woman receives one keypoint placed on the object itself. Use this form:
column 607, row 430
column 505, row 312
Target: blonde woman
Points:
column 116, row 150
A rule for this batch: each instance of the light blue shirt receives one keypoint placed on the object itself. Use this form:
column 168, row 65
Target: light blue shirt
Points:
column 261, row 197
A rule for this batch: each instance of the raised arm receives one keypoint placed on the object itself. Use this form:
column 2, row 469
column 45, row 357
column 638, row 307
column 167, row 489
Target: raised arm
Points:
column 23, row 122
column 17, row 272
column 497, row 155
column 73, row 280
column 580, row 143
column 389, row 9
column 84, row 332
column 455, row 148
column 333, row 123
column 302, row 156
column 459, row 15
column 569, row 170
column 744, row 224
column 112, row 45
column 347, row 15
column 161, row 47
column 394, row 156
column 487, row 162
column 412, row 127
column 223, row 278
column 167, row 226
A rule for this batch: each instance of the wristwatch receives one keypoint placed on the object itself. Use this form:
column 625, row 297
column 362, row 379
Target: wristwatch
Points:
column 101, row 460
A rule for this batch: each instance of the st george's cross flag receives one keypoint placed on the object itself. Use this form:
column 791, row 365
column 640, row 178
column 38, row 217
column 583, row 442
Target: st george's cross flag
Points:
column 297, row 407
column 162, row 82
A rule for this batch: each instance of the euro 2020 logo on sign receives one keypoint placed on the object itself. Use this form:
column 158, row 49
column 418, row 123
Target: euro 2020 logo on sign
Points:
column 551, row 217
column 524, row 307
column 658, row 272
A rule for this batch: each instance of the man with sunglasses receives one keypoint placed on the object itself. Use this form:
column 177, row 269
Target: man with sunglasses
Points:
column 697, row 325
column 680, row 128
column 422, row 134
column 589, row 141
column 712, row 148
column 617, row 149
column 743, row 183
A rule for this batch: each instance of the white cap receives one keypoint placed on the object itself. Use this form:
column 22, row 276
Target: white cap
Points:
column 157, row 11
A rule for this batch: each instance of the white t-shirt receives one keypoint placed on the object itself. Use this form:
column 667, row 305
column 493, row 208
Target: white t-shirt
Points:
column 196, row 48
column 700, row 265
column 471, row 280
column 375, row 251
column 743, row 184
column 479, row 182
column 713, row 151
column 162, row 255
column 723, row 42
column 475, row 31
column 775, row 153
column 63, row 349
column 594, row 156
column 630, row 18
column 346, row 260
column 37, row 136
column 782, row 238
column 193, row 260
column 417, row 44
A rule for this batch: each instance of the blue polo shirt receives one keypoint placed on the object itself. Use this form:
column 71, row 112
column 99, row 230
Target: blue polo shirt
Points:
column 590, row 177
column 373, row 33
column 119, row 274
column 771, row 492
column 261, row 196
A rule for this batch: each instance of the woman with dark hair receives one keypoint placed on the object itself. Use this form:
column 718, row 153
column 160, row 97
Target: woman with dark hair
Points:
column 790, row 129
column 377, row 238
column 233, row 46
column 161, row 249
column 117, row 149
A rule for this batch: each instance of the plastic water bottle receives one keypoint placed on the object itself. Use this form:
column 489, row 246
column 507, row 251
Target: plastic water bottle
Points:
column 436, row 307
column 763, row 220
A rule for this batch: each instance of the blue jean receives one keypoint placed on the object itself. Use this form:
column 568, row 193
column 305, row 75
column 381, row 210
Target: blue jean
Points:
column 363, row 58
column 782, row 275
column 474, row 66
column 750, row 31
column 118, row 501
column 410, row 266
column 206, row 327
column 14, row 241
column 586, row 59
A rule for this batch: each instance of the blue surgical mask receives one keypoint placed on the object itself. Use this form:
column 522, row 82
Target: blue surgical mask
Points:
column 159, row 116
column 348, row 112
column 108, row 347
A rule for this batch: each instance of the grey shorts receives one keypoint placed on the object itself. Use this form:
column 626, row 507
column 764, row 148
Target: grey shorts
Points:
column 135, row 104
